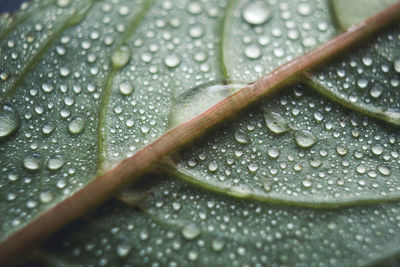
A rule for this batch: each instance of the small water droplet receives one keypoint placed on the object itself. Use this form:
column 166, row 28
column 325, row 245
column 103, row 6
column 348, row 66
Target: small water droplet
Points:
column 276, row 123
column 47, row 87
column 304, row 9
column 306, row 183
column 121, row 57
column 341, row 149
column 125, row 88
column 196, row 31
column 55, row 162
column 172, row 61
column 252, row 51
column 32, row 162
column 194, row 8
column 63, row 3
column 213, row 166
column 241, row 137
column 384, row 170
column 273, row 152
column 252, row 167
column 217, row 244
column 305, row 138
column 9, row 121
column 45, row 197
column 267, row 187
column 190, row 231
column 256, row 13
column 376, row 90
column 377, row 149
column 123, row 250
column 76, row 126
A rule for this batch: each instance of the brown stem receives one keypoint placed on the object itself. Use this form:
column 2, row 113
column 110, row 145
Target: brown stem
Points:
column 105, row 185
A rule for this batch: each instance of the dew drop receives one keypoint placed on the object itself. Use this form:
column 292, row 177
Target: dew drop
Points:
column 121, row 57
column 305, row 138
column 256, row 13
column 32, row 162
column 45, row 197
column 76, row 126
column 63, row 3
column 267, row 187
column 217, row 244
column 47, row 87
column 123, row 250
column 304, row 9
column 213, row 166
column 125, row 88
column 396, row 64
column 9, row 121
column 275, row 123
column 273, row 152
column 196, row 32
column 190, row 231
column 306, row 183
column 252, row 51
column 384, row 170
column 194, row 8
column 376, row 90
column 377, row 149
column 55, row 162
column 341, row 149
column 252, row 167
column 241, row 137
column 172, row 61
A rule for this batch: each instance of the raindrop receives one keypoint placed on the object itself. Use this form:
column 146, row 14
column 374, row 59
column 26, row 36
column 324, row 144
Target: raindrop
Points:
column 121, row 57
column 63, row 3
column 384, row 170
column 217, row 244
column 341, row 149
column 9, row 121
column 123, row 250
column 307, row 183
column 194, row 8
column 55, row 162
column 45, row 197
column 252, row 51
column 252, row 167
column 396, row 64
column 304, row 9
column 213, row 166
column 267, row 187
column 276, row 123
column 190, row 231
column 305, row 138
column 48, row 128
column 196, row 31
column 273, row 152
column 125, row 88
column 76, row 126
column 376, row 90
column 32, row 162
column 377, row 149
column 47, row 87
column 256, row 13
column 172, row 60
column 241, row 137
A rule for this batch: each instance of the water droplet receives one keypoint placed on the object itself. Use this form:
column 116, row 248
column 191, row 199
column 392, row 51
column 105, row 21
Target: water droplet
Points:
column 341, row 149
column 213, row 166
column 55, row 162
column 304, row 9
column 32, row 162
column 76, row 126
column 318, row 116
column 48, row 128
column 190, row 231
column 315, row 162
column 267, row 187
column 196, row 31
column 217, row 244
column 305, row 138
column 273, row 152
column 384, row 170
column 252, row 167
column 361, row 169
column 9, row 121
column 256, row 13
column 45, row 197
column 193, row 255
column 362, row 83
column 377, row 149
column 123, row 250
column 125, row 88
column 241, row 137
column 172, row 61
column 252, row 51
column 396, row 64
column 306, row 183
column 195, row 8
column 376, row 90
column 121, row 57
column 63, row 3
column 47, row 87
column 276, row 123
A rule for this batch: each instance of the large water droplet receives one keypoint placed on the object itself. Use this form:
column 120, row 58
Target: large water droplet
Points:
column 305, row 138
column 123, row 250
column 125, row 88
column 256, row 13
column 32, row 162
column 252, row 51
column 121, row 57
column 76, row 126
column 273, row 152
column 172, row 60
column 45, row 197
column 190, row 231
column 376, row 90
column 241, row 137
column 55, row 162
column 9, row 121
column 396, row 64
column 217, row 244
column 276, row 123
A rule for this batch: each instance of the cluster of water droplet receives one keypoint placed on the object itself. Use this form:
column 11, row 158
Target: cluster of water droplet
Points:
column 266, row 34
column 184, row 226
column 172, row 50
column 368, row 77
column 298, row 148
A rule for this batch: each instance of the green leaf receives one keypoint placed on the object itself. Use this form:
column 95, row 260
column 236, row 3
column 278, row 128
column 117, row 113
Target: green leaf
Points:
column 85, row 84
column 181, row 225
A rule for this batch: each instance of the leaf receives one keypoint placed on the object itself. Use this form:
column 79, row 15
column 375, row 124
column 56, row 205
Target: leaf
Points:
column 181, row 225
column 101, row 85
